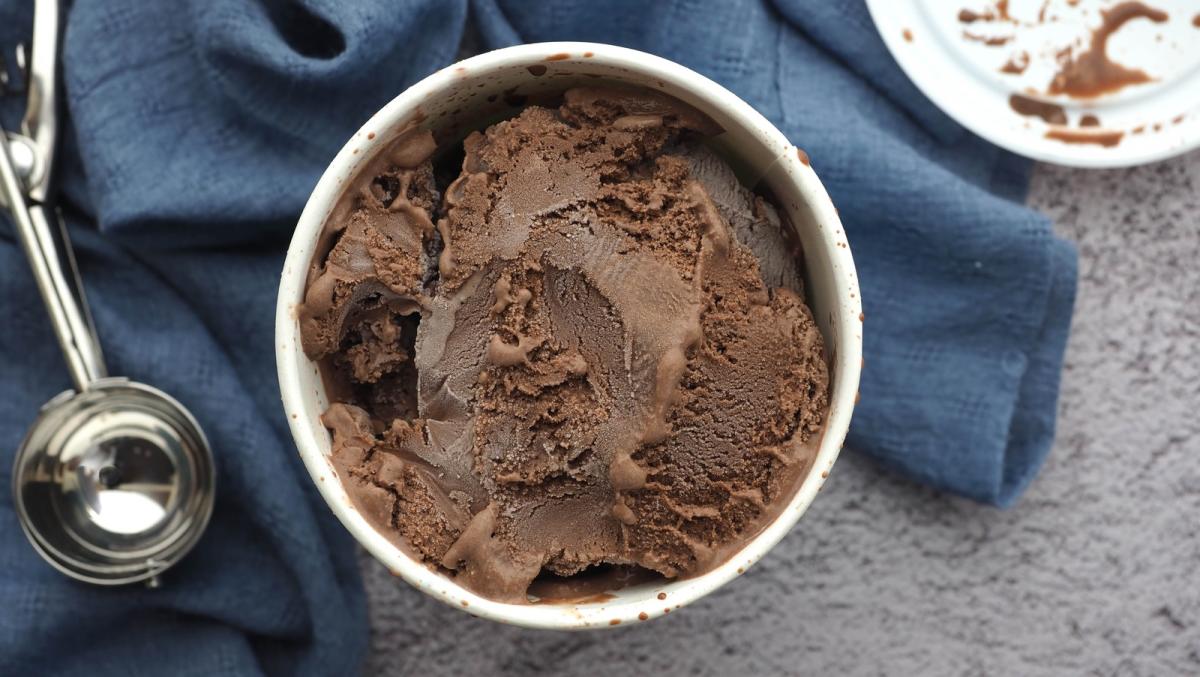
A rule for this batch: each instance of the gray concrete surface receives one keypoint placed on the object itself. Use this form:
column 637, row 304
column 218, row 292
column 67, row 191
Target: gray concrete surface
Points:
column 1095, row 572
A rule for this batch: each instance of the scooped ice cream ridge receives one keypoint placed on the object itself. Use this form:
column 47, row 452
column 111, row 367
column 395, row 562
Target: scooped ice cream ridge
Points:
column 591, row 349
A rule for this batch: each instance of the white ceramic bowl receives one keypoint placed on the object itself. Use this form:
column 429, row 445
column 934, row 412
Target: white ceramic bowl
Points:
column 460, row 93
column 963, row 77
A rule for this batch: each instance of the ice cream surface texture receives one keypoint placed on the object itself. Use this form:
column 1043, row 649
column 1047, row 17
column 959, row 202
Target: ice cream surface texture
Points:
column 589, row 350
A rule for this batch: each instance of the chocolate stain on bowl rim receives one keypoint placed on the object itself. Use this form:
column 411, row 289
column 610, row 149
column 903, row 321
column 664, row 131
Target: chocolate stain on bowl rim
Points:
column 1042, row 12
column 1016, row 64
column 1092, row 73
column 561, row 56
column 908, row 36
column 969, row 17
column 1051, row 113
column 989, row 40
column 1106, row 138
column 536, row 70
column 997, row 12
column 1088, row 74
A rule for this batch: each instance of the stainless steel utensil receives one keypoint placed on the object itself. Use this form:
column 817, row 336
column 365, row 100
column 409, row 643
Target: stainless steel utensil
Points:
column 115, row 480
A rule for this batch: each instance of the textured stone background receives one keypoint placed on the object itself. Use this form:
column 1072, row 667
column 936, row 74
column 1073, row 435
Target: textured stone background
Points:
column 1096, row 571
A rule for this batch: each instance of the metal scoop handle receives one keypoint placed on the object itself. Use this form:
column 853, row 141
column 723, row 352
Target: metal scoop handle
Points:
column 26, row 190
column 56, row 274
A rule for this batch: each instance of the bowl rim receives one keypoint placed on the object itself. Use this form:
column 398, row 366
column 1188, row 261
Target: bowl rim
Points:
column 290, row 358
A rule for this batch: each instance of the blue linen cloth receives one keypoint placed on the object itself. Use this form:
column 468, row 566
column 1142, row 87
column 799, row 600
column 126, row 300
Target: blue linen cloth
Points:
column 197, row 129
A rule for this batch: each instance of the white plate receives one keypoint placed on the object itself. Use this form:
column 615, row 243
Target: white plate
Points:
column 1157, row 119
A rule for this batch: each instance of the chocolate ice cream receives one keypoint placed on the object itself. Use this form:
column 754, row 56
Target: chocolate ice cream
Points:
column 588, row 350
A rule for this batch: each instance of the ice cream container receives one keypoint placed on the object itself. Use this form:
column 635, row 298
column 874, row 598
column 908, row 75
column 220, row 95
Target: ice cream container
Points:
column 475, row 92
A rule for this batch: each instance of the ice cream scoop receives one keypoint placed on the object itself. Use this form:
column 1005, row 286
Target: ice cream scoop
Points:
column 114, row 482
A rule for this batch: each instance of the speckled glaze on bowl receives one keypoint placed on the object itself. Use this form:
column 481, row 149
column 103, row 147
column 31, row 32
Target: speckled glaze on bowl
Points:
column 483, row 88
